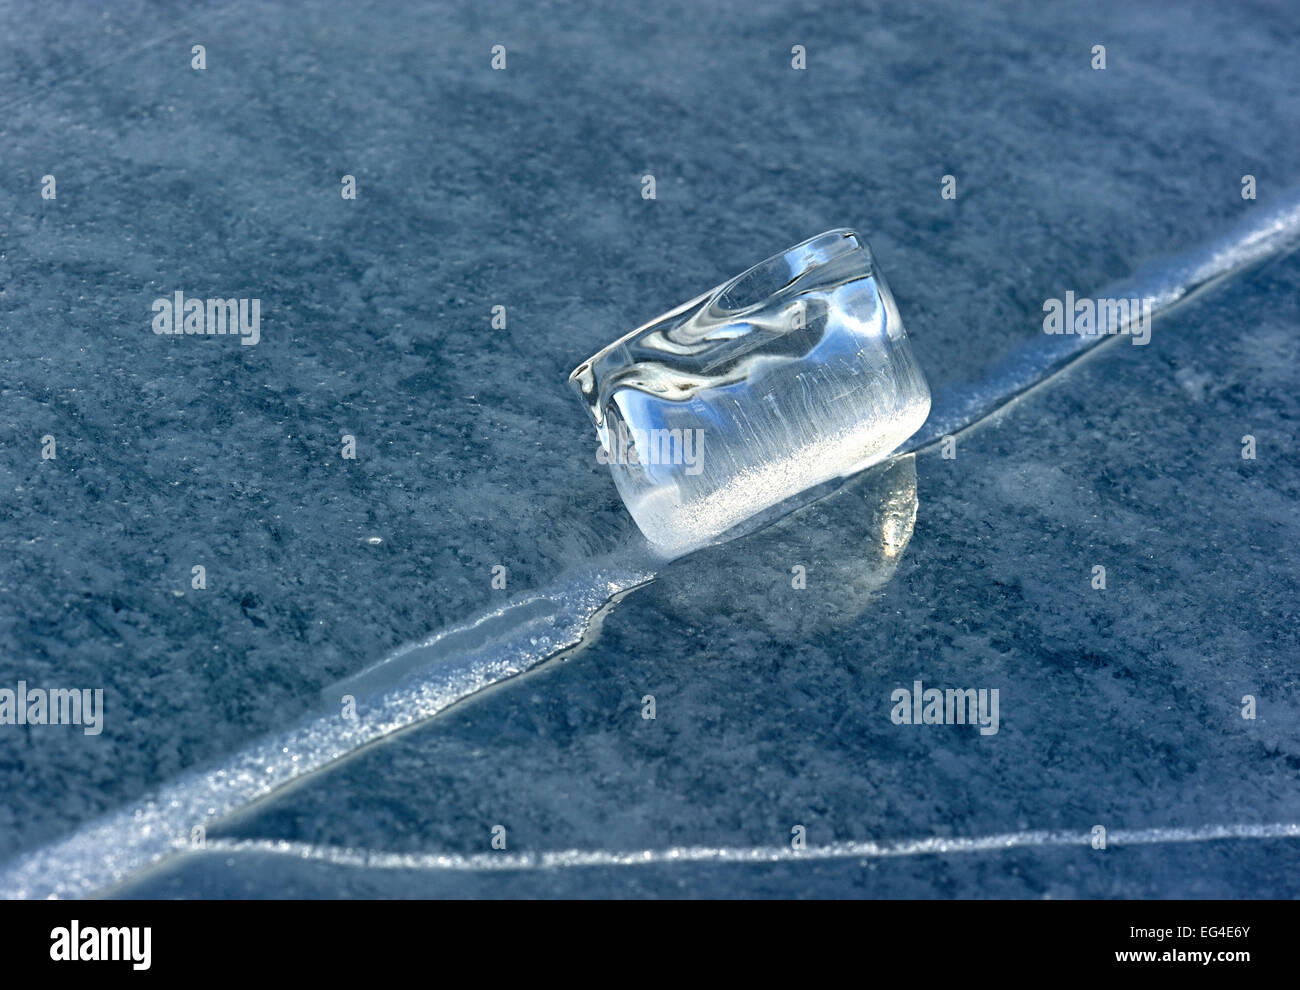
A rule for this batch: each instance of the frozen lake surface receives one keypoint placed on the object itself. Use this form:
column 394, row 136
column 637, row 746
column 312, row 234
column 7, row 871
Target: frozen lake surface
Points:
column 521, row 188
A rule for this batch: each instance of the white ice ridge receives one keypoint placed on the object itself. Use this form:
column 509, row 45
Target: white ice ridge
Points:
column 423, row 680
column 415, row 684
column 567, row 858
column 1268, row 230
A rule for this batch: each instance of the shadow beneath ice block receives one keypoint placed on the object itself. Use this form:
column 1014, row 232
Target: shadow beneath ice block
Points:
column 815, row 569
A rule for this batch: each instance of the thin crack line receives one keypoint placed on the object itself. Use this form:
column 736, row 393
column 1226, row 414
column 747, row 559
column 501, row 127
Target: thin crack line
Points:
column 371, row 859
column 146, row 832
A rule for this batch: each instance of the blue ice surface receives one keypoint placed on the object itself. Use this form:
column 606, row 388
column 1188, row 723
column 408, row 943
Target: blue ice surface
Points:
column 522, row 188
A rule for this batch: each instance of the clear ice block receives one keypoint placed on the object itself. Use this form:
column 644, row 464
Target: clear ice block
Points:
column 783, row 378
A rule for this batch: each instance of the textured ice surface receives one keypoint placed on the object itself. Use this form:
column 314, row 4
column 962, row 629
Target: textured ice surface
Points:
column 472, row 453
column 1120, row 708
column 414, row 684
column 782, row 378
column 1272, row 229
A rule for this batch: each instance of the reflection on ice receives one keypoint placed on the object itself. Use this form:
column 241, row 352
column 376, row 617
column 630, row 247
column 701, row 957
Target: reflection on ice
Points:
column 814, row 569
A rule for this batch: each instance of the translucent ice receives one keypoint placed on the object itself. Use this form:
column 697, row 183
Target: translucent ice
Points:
column 790, row 375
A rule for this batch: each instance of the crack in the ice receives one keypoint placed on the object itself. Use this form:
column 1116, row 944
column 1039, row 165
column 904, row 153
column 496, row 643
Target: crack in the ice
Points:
column 113, row 849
